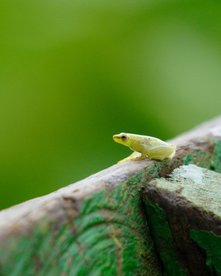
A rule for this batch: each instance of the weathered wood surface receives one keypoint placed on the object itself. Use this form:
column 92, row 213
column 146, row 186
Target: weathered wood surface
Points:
column 187, row 205
column 99, row 225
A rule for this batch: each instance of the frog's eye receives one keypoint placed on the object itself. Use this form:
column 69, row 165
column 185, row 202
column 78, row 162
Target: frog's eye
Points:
column 124, row 137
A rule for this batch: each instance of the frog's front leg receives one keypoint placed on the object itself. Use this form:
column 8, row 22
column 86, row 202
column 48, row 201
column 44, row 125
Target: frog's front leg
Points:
column 134, row 157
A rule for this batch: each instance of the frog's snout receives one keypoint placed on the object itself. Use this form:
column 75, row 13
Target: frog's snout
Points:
column 116, row 137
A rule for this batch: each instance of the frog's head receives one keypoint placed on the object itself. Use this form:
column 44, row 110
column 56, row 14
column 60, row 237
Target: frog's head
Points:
column 122, row 138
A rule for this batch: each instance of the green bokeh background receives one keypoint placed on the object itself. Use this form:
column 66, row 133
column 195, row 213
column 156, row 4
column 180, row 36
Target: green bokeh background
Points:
column 75, row 72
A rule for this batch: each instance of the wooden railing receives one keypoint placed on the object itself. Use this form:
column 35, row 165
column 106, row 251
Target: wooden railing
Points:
column 134, row 218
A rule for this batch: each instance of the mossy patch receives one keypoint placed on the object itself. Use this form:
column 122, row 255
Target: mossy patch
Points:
column 163, row 240
column 211, row 243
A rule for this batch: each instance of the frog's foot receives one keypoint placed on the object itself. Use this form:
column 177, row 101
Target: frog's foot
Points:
column 134, row 157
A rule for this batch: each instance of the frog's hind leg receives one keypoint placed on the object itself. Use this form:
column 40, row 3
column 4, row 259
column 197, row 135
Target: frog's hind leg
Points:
column 173, row 153
column 162, row 152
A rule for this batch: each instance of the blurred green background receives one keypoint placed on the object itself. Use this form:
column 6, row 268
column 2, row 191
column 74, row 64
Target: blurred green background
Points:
column 75, row 72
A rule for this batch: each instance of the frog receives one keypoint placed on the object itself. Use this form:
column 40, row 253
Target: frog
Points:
column 145, row 147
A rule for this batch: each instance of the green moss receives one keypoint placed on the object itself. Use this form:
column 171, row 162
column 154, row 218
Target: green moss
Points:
column 216, row 158
column 153, row 170
column 198, row 157
column 122, row 220
column 205, row 159
column 163, row 240
column 187, row 159
column 108, row 237
column 211, row 243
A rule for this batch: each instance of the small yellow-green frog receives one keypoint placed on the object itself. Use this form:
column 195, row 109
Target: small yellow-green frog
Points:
column 145, row 147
